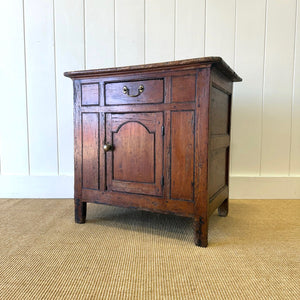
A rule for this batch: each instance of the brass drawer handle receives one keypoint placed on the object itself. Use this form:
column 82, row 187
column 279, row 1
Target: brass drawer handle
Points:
column 126, row 91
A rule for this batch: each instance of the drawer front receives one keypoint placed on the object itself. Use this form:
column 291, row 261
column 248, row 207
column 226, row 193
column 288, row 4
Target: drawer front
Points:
column 134, row 92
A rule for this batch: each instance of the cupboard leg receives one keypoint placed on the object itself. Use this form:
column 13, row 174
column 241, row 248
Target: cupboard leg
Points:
column 223, row 208
column 80, row 211
column 201, row 231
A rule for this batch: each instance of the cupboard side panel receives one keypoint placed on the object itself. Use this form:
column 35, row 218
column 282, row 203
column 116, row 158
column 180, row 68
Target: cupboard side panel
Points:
column 182, row 155
column 219, row 134
column 219, row 113
column 217, row 171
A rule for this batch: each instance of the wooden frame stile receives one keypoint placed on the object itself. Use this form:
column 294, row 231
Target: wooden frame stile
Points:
column 167, row 141
column 201, row 161
column 80, row 206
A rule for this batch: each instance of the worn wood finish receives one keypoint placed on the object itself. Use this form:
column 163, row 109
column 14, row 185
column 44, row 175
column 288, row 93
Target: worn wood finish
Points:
column 219, row 139
column 90, row 150
column 166, row 150
column 90, row 94
column 218, row 199
column 79, row 204
column 144, row 202
column 217, row 170
column 153, row 92
column 220, row 81
column 139, row 108
column 136, row 161
column 223, row 208
column 183, row 88
column 182, row 155
column 214, row 61
column 201, row 158
column 219, row 112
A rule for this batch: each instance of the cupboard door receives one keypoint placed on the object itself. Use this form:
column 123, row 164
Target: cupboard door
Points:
column 134, row 153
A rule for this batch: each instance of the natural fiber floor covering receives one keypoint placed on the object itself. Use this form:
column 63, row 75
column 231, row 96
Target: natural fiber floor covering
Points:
column 129, row 254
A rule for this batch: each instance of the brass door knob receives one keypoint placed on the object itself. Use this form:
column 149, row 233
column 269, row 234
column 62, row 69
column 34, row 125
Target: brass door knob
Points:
column 107, row 147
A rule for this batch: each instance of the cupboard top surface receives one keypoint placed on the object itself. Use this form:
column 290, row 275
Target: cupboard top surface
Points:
column 217, row 62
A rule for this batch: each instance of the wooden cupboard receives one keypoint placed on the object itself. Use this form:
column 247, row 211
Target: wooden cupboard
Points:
column 154, row 137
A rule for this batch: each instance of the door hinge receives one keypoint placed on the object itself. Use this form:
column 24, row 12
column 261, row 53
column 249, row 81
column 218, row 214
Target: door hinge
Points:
column 162, row 181
column 162, row 130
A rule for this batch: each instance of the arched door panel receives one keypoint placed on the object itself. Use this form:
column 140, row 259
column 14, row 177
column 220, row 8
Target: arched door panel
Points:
column 135, row 159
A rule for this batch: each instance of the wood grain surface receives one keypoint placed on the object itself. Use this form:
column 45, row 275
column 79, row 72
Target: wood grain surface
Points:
column 164, row 148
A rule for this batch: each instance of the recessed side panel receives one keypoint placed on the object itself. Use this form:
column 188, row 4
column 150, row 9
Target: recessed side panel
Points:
column 182, row 155
column 184, row 88
column 219, row 112
column 90, row 150
column 217, row 170
column 89, row 94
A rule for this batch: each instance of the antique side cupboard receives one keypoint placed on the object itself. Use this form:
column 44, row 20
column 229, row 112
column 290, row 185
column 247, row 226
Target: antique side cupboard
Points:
column 154, row 137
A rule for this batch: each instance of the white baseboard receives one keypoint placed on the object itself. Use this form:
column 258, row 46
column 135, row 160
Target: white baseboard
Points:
column 264, row 187
column 17, row 186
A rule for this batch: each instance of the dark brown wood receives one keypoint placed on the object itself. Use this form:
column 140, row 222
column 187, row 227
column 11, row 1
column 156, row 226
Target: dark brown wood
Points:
column 220, row 81
column 167, row 156
column 143, row 202
column 134, row 158
column 217, row 170
column 77, row 142
column 102, row 157
column 218, row 199
column 90, row 150
column 219, row 141
column 194, row 63
column 219, row 136
column 201, row 158
column 182, row 155
column 165, row 150
column 137, row 158
column 139, row 108
column 219, row 112
column 80, row 211
column 183, row 88
column 153, row 92
column 90, row 94
column 223, row 208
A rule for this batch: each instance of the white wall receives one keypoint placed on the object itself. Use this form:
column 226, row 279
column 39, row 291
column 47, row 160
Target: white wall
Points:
column 40, row 39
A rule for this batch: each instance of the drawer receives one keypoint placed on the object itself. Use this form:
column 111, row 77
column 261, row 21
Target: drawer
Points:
column 134, row 92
